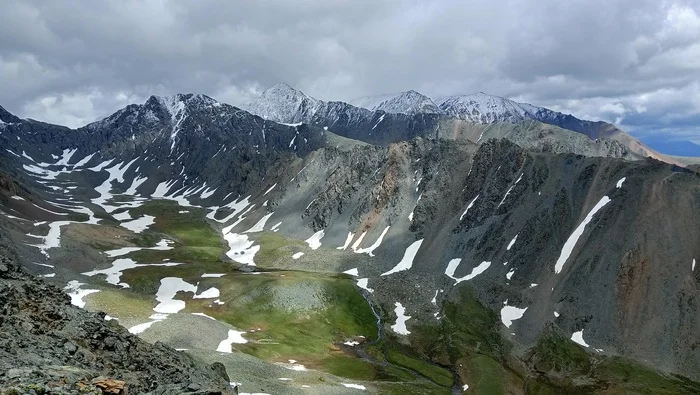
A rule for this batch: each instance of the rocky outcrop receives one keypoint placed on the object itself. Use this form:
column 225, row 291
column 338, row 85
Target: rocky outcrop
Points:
column 49, row 346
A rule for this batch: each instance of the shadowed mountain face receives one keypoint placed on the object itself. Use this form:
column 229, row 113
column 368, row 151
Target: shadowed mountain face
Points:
column 496, row 238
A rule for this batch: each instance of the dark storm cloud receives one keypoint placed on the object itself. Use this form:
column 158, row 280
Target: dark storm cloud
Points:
column 633, row 62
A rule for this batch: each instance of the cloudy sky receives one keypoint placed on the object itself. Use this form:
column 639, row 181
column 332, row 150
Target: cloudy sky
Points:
column 633, row 62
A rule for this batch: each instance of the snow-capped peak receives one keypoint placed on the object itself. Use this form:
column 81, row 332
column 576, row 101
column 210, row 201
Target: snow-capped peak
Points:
column 282, row 103
column 409, row 102
column 484, row 108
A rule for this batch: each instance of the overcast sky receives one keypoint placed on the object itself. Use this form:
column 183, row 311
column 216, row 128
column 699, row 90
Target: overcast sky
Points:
column 633, row 62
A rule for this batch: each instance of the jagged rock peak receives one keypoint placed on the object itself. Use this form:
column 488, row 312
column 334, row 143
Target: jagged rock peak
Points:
column 7, row 117
column 177, row 103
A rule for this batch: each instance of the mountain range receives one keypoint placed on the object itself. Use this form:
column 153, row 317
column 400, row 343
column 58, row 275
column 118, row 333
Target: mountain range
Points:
column 393, row 244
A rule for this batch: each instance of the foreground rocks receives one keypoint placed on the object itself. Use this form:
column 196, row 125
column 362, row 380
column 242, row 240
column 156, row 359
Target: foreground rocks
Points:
column 48, row 346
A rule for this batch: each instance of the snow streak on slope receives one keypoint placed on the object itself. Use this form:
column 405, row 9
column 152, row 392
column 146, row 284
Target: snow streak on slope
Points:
column 370, row 250
column 573, row 239
column 407, row 260
column 452, row 267
column 468, row 207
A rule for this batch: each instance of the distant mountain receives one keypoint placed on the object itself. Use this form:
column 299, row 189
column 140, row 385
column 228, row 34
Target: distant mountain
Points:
column 673, row 147
column 374, row 118
column 410, row 103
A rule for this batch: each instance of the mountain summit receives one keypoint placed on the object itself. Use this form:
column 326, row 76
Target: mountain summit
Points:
column 409, row 102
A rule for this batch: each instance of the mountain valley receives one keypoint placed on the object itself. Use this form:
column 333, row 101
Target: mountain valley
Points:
column 396, row 244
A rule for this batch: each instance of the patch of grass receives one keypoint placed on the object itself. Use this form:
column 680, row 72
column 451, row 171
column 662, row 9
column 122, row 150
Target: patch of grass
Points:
column 639, row 379
column 487, row 376
column 432, row 372
column 467, row 327
column 274, row 247
column 178, row 254
column 424, row 388
column 350, row 367
column 556, row 353
column 120, row 303
column 189, row 229
column 296, row 315
column 146, row 279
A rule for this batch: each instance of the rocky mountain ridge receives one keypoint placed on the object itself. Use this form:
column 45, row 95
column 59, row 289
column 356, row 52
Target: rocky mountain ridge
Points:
column 528, row 218
column 283, row 103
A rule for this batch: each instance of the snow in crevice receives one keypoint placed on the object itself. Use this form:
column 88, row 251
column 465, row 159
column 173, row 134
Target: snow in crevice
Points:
column 468, row 207
column 509, row 190
column 370, row 250
column 348, row 240
column 568, row 247
column 260, row 225
column 510, row 245
column 357, row 242
column 620, row 182
column 352, row 272
column 407, row 260
column 270, row 189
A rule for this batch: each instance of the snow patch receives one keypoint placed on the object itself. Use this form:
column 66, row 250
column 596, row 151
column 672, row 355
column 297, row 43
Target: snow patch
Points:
column 573, row 239
column 364, row 284
column 348, row 240
column 260, row 225
column 233, row 337
column 355, row 386
column 407, row 260
column 297, row 255
column 119, row 266
column 468, row 207
column 169, row 287
column 314, row 241
column 370, row 250
column 510, row 245
column 400, row 326
column 578, row 338
column 139, row 224
column 77, row 294
column 510, row 314
column 454, row 263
